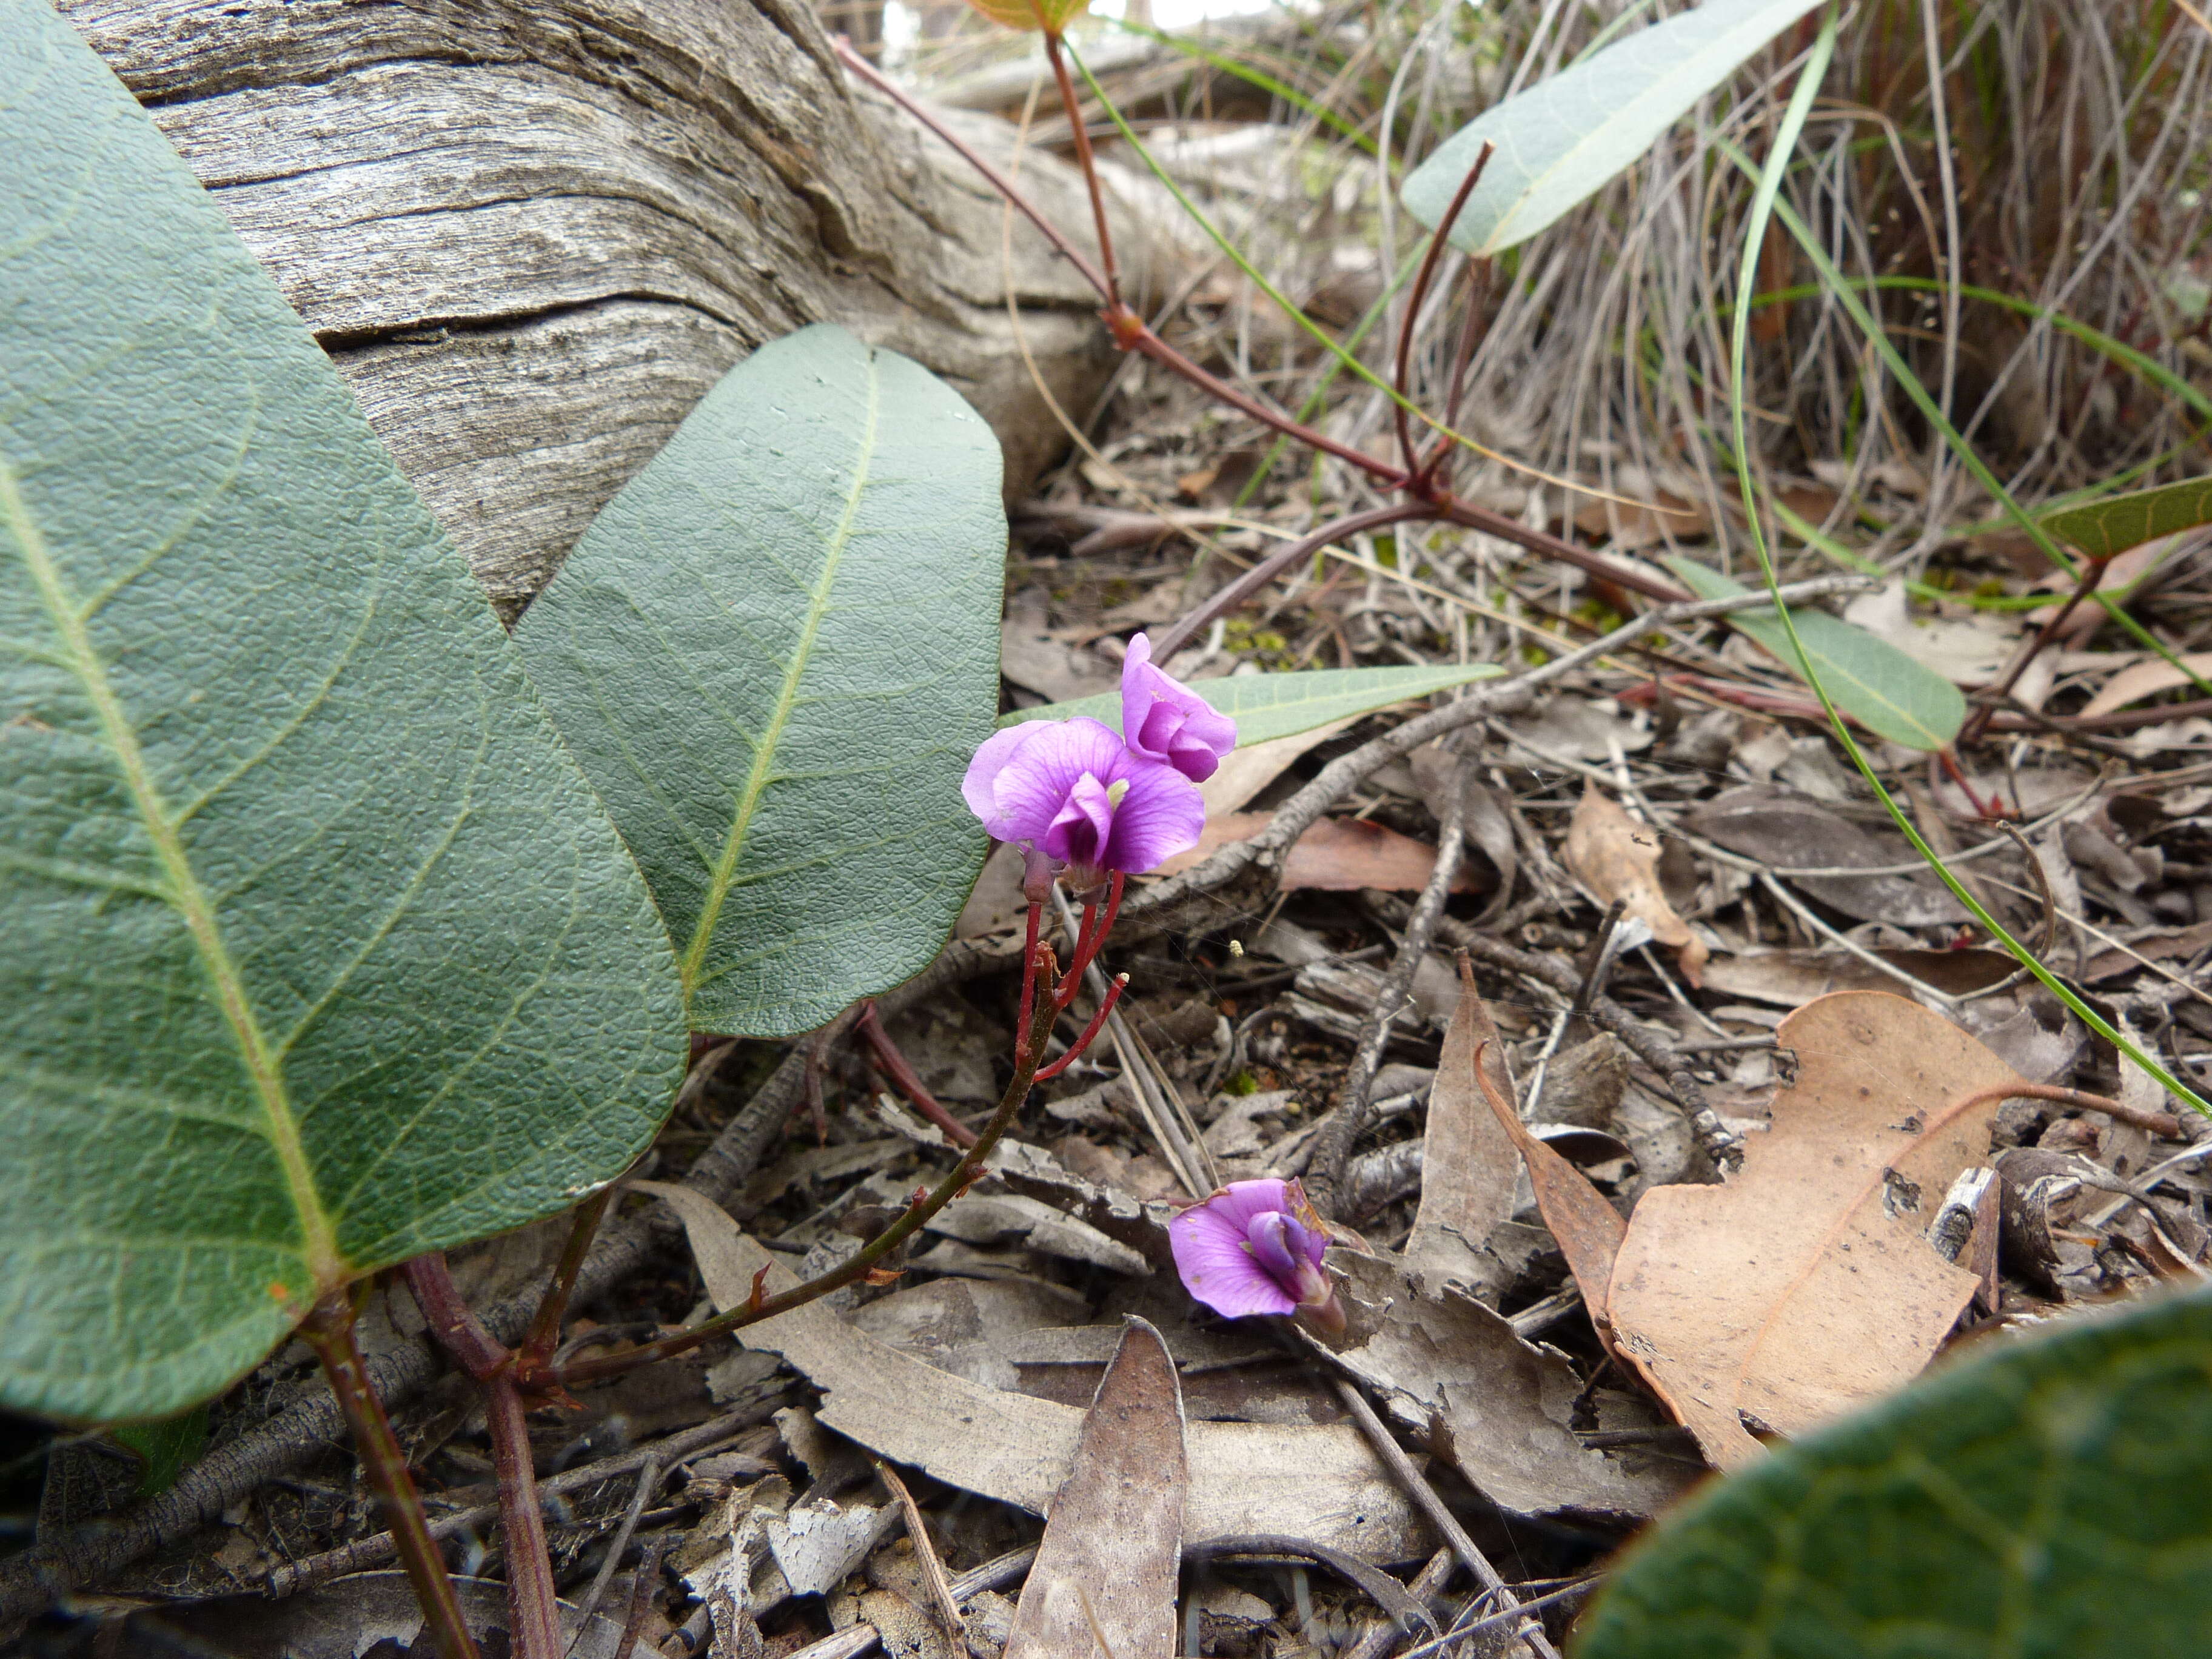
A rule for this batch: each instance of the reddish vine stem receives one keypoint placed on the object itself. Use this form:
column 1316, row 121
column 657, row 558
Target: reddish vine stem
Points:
column 532, row 1602
column 544, row 1334
column 329, row 1331
column 1115, row 988
column 1088, row 939
column 905, row 1079
column 1977, row 722
column 969, row 1167
column 1083, row 158
column 1419, row 297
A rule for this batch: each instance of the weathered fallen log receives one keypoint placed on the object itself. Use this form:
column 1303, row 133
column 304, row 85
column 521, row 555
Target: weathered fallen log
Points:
column 532, row 234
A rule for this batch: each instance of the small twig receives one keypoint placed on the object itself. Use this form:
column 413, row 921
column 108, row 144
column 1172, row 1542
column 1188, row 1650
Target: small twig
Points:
column 648, row 1481
column 1440, row 1516
column 640, row 1599
column 1332, row 1141
column 925, row 1552
column 994, row 1574
column 329, row 1331
column 374, row 1552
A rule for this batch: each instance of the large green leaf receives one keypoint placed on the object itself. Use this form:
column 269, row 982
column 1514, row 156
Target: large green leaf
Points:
column 2043, row 1500
column 1266, row 706
column 318, row 952
column 1889, row 693
column 2101, row 529
column 774, row 654
column 1559, row 142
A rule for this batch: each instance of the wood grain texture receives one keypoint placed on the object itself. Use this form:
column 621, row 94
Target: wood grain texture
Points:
column 533, row 235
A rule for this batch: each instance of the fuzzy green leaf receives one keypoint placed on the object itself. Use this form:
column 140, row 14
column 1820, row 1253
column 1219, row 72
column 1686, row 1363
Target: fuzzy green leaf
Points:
column 2044, row 1499
column 1889, row 693
column 774, row 654
column 2102, row 529
column 319, row 953
column 1265, row 706
column 1562, row 140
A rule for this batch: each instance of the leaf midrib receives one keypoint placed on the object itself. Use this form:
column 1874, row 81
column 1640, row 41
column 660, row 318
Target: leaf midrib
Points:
column 185, row 894
column 758, row 775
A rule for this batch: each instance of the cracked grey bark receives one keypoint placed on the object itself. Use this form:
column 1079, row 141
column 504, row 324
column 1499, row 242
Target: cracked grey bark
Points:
column 532, row 235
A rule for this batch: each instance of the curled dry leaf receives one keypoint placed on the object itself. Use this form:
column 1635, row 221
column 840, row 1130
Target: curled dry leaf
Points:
column 1806, row 1284
column 1321, row 1482
column 1106, row 1567
column 1334, row 855
column 1466, row 1159
column 1617, row 858
column 1588, row 1227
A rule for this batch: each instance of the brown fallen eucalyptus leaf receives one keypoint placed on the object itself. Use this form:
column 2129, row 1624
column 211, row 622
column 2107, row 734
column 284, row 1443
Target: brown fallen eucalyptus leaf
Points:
column 1106, row 1567
column 1468, row 1163
column 1323, row 1482
column 1336, row 855
column 1588, row 1228
column 1806, row 1284
column 1617, row 858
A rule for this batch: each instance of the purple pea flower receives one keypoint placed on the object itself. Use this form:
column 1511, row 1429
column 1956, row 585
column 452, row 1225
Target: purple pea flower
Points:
column 1255, row 1248
column 1074, row 792
column 1165, row 720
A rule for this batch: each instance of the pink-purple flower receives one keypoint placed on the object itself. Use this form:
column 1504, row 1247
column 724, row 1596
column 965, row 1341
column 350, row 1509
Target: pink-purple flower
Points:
column 1074, row 792
column 1165, row 720
column 1255, row 1247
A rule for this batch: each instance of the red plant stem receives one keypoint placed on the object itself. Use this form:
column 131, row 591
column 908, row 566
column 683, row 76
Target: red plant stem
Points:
column 1084, row 959
column 1029, row 980
column 969, row 1167
column 1542, row 541
column 1086, row 946
column 329, row 1331
column 1979, row 722
column 1420, row 294
column 905, row 1079
column 997, row 181
column 1114, row 990
column 1437, row 468
column 532, row 1602
column 1087, row 162
column 1288, row 555
column 1993, row 809
column 545, row 1329
column 1147, row 343
column 532, row 1612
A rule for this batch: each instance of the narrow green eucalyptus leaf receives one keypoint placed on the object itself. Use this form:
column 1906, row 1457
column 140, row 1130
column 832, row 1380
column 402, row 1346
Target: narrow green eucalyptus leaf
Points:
column 1265, row 706
column 1563, row 139
column 774, row 654
column 1887, row 692
column 164, row 1447
column 2102, row 529
column 2044, row 1499
column 318, row 951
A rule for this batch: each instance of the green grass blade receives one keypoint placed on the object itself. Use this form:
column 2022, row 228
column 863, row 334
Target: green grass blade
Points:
column 1766, row 204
